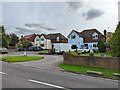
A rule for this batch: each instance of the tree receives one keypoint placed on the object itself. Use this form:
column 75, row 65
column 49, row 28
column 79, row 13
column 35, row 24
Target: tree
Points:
column 14, row 39
column 5, row 39
column 2, row 30
column 101, row 45
column 115, row 42
column 25, row 43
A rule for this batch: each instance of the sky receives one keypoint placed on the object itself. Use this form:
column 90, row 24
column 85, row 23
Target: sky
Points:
column 24, row 18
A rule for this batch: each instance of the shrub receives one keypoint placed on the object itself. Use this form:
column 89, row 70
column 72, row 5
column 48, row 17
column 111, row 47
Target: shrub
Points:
column 115, row 43
column 73, row 52
column 101, row 45
column 52, row 51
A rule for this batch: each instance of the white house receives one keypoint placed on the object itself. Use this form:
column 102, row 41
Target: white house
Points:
column 88, row 38
column 47, row 41
column 75, row 38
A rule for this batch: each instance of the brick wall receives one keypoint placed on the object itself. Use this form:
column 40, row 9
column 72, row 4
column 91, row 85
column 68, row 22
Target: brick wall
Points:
column 89, row 40
column 61, row 41
column 100, row 62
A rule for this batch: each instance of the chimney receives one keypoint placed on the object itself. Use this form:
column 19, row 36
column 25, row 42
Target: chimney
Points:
column 105, row 33
column 21, row 36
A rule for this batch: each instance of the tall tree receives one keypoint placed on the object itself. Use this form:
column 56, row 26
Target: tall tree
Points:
column 115, row 42
column 14, row 39
column 5, row 39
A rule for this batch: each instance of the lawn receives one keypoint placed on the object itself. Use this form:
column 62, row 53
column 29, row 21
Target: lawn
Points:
column 21, row 58
column 82, row 69
column 98, row 54
column 44, row 51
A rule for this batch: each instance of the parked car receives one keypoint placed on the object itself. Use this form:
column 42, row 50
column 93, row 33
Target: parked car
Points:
column 84, row 50
column 3, row 51
column 21, row 49
column 37, row 49
column 30, row 48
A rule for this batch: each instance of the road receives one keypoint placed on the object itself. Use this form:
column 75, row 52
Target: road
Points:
column 49, row 62
column 17, row 76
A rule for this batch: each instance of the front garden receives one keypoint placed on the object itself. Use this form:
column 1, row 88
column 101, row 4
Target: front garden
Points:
column 87, row 54
column 83, row 70
column 20, row 58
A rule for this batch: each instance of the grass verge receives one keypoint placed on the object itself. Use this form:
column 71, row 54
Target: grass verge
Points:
column 83, row 69
column 98, row 54
column 44, row 51
column 20, row 58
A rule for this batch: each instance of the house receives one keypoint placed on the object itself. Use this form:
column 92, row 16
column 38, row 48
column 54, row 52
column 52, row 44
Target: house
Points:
column 88, row 38
column 30, row 38
column 47, row 41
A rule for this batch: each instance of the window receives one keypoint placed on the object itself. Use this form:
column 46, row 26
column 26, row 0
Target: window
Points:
column 42, row 45
column 74, row 47
column 36, row 45
column 72, row 36
column 95, row 36
column 95, row 45
column 37, row 39
column 86, row 45
column 58, row 39
column 42, row 39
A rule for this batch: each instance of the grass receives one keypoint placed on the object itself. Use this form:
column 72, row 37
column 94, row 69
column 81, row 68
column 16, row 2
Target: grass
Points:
column 98, row 54
column 21, row 58
column 44, row 51
column 82, row 69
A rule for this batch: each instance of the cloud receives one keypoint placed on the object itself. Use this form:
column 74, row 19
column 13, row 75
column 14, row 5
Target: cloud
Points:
column 86, row 9
column 74, row 6
column 94, row 13
column 43, row 25
column 38, row 28
column 24, row 30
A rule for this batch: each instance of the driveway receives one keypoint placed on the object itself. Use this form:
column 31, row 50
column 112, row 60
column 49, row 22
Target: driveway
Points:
column 50, row 62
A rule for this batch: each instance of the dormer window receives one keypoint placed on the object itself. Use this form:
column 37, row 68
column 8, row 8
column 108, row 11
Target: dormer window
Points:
column 95, row 35
column 42, row 39
column 72, row 36
column 37, row 39
column 58, row 39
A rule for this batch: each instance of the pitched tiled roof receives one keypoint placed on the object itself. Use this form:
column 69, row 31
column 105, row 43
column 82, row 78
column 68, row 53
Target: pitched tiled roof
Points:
column 54, row 36
column 88, row 33
column 30, row 38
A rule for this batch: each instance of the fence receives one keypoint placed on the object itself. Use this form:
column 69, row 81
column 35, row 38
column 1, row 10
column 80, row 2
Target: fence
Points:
column 93, row 61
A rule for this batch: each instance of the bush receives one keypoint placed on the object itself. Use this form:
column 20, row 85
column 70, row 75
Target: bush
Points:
column 52, row 51
column 73, row 52
column 101, row 45
column 115, row 43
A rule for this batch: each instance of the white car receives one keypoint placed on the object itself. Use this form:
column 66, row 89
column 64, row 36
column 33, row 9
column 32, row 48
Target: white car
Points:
column 84, row 50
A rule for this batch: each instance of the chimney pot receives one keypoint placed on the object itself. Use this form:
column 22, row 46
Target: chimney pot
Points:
column 105, row 33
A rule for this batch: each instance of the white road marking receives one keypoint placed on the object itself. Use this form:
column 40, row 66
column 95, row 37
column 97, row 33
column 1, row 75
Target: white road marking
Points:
column 47, row 84
column 2, row 73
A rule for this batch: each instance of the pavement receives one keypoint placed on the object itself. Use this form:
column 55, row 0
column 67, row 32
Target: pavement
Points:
column 17, row 76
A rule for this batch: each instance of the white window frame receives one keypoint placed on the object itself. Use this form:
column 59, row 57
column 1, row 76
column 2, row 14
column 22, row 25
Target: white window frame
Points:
column 58, row 39
column 94, row 36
